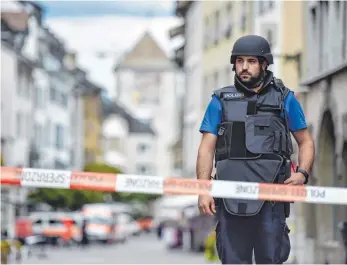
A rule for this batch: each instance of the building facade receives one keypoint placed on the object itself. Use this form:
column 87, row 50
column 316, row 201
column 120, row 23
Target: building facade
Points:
column 224, row 23
column 92, row 106
column 273, row 20
column 324, row 101
column 147, row 87
column 37, row 101
column 126, row 138
column 190, row 57
column 20, row 22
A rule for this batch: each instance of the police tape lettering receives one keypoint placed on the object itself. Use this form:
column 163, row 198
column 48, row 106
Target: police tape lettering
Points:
column 316, row 193
column 299, row 192
column 187, row 184
column 143, row 183
column 240, row 188
column 48, row 177
column 85, row 177
column 140, row 184
column 31, row 177
column 45, row 178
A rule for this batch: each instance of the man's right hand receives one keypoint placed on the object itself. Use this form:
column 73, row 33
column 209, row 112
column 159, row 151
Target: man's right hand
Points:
column 206, row 205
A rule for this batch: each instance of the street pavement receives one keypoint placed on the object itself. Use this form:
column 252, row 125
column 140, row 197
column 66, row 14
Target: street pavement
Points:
column 144, row 249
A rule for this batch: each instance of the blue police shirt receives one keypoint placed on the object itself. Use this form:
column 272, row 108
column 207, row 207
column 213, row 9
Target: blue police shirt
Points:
column 295, row 114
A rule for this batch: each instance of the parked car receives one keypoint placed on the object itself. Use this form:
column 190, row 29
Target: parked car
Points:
column 125, row 226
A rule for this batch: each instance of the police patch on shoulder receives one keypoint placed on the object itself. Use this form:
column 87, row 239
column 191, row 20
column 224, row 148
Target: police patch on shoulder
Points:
column 233, row 95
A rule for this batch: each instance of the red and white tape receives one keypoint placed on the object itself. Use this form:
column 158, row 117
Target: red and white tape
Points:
column 44, row 178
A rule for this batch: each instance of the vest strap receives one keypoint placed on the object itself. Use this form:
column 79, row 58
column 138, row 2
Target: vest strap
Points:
column 284, row 143
column 277, row 141
column 252, row 107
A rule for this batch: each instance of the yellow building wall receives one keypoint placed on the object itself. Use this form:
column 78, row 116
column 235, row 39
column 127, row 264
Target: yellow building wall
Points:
column 292, row 33
column 92, row 130
column 216, row 57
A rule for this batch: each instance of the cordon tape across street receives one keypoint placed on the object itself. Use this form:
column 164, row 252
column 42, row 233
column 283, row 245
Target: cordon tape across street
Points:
column 63, row 179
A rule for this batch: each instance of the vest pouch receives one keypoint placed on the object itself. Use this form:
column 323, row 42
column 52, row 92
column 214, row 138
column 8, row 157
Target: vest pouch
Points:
column 260, row 136
column 289, row 144
column 224, row 131
column 261, row 170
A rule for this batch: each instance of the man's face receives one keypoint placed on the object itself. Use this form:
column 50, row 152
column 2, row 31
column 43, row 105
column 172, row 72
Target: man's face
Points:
column 247, row 68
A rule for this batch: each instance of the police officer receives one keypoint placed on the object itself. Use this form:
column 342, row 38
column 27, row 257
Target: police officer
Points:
column 246, row 129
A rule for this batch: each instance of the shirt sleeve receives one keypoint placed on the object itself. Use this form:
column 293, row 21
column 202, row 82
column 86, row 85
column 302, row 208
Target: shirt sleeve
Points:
column 212, row 117
column 295, row 113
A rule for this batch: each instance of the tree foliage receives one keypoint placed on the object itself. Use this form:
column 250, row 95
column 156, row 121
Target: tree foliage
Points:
column 75, row 199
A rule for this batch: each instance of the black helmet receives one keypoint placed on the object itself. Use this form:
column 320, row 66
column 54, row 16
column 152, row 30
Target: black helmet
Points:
column 252, row 45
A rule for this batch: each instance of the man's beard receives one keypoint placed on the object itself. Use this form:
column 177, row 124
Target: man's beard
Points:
column 254, row 81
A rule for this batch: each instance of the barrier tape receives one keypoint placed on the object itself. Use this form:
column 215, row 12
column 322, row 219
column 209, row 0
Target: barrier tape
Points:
column 44, row 178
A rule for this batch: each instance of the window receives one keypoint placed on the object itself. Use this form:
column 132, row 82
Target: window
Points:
column 147, row 87
column 227, row 76
column 229, row 17
column 59, row 136
column 36, row 135
column 39, row 135
column 143, row 169
column 147, row 121
column 48, row 133
column 216, row 84
column 20, row 79
column 59, row 165
column 344, row 31
column 52, row 92
column 217, row 28
column 19, row 124
column 269, row 37
column 207, row 33
column 243, row 22
column 58, row 97
column 64, row 100
column 229, row 8
column 29, row 121
column 261, row 7
column 143, row 148
column 37, row 94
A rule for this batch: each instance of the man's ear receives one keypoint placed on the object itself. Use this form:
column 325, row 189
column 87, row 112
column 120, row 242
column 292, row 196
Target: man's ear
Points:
column 264, row 65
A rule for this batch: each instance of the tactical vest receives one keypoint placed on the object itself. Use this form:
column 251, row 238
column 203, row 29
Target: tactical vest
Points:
column 253, row 141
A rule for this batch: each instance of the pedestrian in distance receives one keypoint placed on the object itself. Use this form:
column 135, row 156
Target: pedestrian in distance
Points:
column 85, row 239
column 247, row 130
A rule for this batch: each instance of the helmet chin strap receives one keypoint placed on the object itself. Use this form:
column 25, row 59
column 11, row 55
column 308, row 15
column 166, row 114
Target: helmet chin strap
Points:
column 253, row 83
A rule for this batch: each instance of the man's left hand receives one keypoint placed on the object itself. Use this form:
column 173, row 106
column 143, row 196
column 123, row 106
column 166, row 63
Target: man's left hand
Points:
column 295, row 179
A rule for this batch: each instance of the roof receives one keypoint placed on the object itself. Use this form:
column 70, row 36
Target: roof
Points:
column 146, row 52
column 135, row 125
column 90, row 88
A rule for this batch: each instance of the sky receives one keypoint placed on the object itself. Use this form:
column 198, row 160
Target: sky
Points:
column 100, row 8
column 110, row 29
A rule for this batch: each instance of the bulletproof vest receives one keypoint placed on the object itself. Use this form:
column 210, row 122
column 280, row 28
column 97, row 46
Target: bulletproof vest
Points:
column 253, row 140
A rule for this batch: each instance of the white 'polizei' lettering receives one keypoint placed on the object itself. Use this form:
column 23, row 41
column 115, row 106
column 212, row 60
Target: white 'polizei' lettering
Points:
column 234, row 95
